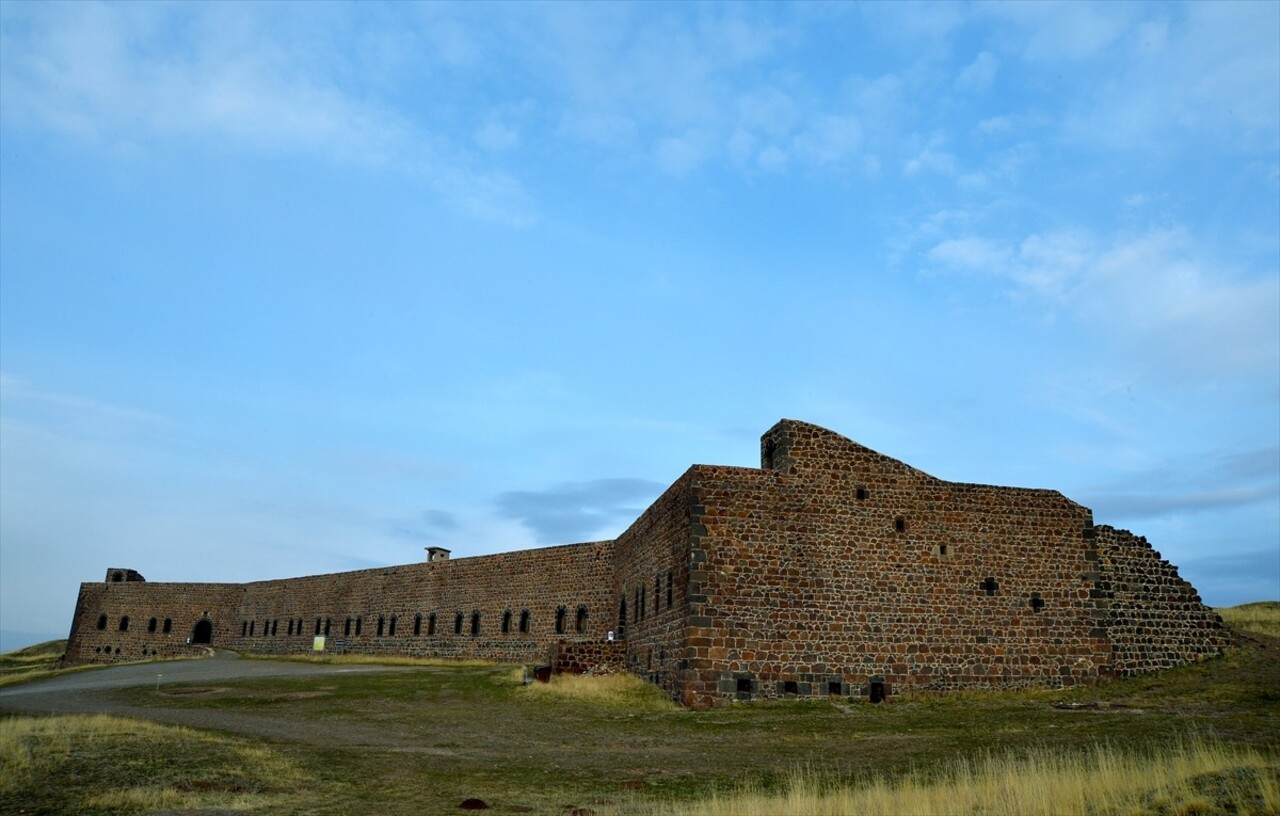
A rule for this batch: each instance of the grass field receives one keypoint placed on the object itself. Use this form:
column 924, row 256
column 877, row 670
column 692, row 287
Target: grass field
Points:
column 1194, row 776
column 22, row 665
column 1261, row 618
column 97, row 764
column 422, row 741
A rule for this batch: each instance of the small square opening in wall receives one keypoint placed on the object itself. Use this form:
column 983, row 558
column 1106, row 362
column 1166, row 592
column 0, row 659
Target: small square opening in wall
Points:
column 744, row 686
column 860, row 493
column 944, row 550
column 834, row 688
column 900, row 525
column 1037, row 603
column 790, row 687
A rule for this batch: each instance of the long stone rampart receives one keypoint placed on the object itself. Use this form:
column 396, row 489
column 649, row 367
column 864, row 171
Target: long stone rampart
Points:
column 499, row 607
column 830, row 569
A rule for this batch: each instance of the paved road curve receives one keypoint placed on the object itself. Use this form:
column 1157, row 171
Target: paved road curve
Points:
column 45, row 695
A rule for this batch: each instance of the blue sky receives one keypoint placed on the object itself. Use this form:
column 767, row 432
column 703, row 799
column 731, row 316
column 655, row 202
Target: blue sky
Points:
column 292, row 289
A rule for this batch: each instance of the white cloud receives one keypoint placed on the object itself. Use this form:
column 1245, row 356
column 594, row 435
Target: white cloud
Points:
column 679, row 155
column 102, row 73
column 497, row 136
column 126, row 77
column 768, row 110
column 971, row 254
column 1061, row 30
column 1214, row 74
column 1151, row 293
column 599, row 128
column 979, row 74
column 772, row 158
column 829, row 139
column 19, row 397
column 931, row 158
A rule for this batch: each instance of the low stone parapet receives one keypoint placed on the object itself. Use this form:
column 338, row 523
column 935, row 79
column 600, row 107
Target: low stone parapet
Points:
column 588, row 657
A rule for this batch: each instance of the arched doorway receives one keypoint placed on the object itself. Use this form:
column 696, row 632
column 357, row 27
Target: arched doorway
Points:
column 203, row 633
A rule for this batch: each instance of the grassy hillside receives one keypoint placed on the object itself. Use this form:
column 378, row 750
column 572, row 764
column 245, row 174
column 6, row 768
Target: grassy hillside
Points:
column 1262, row 618
column 35, row 661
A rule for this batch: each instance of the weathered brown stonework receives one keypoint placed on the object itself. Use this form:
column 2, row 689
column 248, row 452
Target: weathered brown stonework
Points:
column 832, row 569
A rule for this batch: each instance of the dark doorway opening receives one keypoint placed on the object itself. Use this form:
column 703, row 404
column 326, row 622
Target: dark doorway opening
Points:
column 203, row 633
column 877, row 691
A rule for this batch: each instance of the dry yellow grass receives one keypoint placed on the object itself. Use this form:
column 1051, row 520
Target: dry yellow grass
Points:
column 371, row 660
column 138, row 767
column 1195, row 776
column 608, row 689
column 1261, row 618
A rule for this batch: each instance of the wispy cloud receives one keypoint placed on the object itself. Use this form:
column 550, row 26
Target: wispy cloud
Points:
column 125, row 78
column 978, row 75
column 1153, row 292
column 1200, row 69
column 1141, row 506
column 578, row 510
column 20, row 397
column 1062, row 30
column 1214, row 481
column 430, row 526
column 1236, row 577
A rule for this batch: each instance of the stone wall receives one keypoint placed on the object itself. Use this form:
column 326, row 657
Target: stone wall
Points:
column 463, row 608
column 652, row 579
column 831, row 569
column 1152, row 618
column 137, row 620
column 580, row 657
column 837, row 567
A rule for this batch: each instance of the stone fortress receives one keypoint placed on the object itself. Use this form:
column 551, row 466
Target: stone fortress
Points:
column 829, row 570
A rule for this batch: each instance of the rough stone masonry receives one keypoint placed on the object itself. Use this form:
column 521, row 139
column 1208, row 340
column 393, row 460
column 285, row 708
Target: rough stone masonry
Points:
column 829, row 570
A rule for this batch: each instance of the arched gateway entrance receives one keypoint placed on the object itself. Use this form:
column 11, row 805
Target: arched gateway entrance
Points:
column 203, row 633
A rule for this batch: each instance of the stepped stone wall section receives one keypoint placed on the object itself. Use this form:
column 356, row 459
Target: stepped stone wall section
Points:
column 1152, row 618
column 830, row 569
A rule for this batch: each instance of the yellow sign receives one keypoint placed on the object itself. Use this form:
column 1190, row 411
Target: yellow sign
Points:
column 318, row 643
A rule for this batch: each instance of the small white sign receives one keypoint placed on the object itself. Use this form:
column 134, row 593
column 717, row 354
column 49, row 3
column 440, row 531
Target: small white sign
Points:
column 318, row 643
